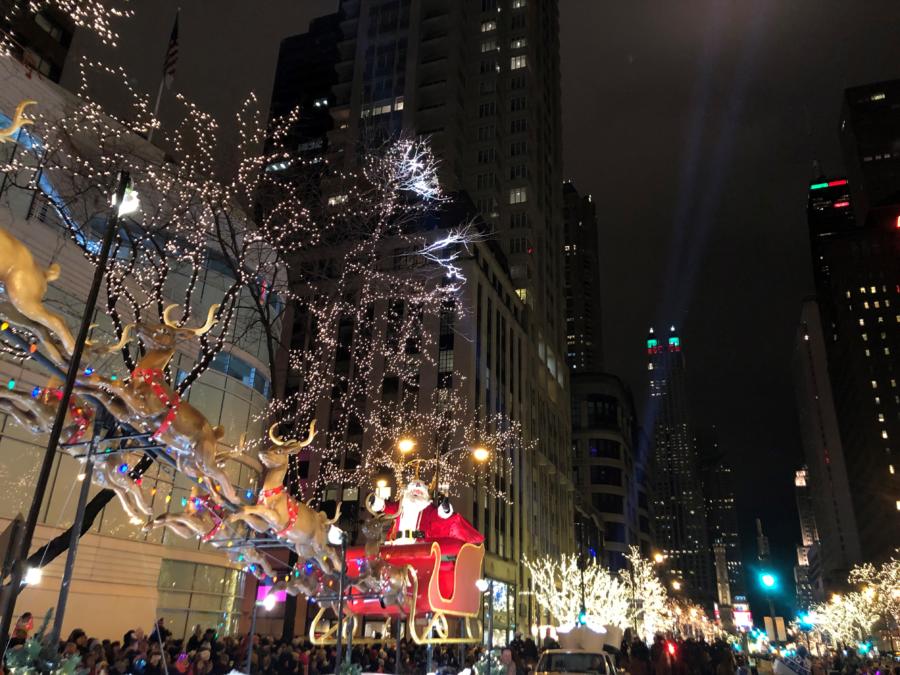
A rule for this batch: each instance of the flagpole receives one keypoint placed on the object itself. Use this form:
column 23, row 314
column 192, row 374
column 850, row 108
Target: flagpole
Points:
column 165, row 74
column 159, row 93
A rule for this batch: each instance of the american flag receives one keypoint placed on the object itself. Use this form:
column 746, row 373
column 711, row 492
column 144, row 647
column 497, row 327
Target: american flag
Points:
column 171, row 55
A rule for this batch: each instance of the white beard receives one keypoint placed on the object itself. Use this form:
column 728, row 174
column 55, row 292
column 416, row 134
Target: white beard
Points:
column 410, row 510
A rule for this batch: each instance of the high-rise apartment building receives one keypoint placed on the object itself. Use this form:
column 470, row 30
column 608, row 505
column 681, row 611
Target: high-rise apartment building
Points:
column 480, row 80
column 823, row 452
column 39, row 39
column 584, row 344
column 678, row 505
column 609, row 465
column 808, row 570
column 721, row 517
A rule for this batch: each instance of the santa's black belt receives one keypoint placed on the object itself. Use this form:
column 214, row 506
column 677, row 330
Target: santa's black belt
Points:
column 409, row 534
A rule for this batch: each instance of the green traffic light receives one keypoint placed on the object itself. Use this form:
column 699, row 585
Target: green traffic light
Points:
column 767, row 580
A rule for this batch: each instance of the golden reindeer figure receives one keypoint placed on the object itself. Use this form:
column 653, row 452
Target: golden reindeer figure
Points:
column 155, row 406
column 298, row 523
column 18, row 121
column 26, row 285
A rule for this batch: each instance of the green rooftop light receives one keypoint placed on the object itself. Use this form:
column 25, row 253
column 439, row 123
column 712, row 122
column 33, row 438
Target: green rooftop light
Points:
column 818, row 186
column 651, row 343
column 674, row 341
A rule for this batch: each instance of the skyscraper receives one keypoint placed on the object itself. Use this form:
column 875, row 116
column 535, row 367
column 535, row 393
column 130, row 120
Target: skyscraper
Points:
column 678, row 503
column 823, row 452
column 855, row 240
column 808, row 570
column 584, row 345
column 480, row 80
column 721, row 517
column 39, row 39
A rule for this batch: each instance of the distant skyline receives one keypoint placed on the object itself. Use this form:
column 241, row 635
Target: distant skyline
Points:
column 694, row 126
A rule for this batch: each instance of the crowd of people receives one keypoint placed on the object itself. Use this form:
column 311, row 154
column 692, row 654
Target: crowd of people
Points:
column 157, row 652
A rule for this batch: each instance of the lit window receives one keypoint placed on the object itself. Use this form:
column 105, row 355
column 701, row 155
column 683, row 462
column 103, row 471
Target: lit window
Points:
column 862, row 289
column 518, row 4
column 891, row 469
column 881, row 417
column 488, row 26
column 872, row 289
column 894, row 383
column 866, row 305
column 862, row 322
column 865, row 337
column 887, row 351
column 876, row 305
column 517, row 62
column 874, row 384
column 518, row 195
column 518, row 43
column 884, row 434
column 523, row 294
column 398, row 103
column 868, row 353
column 848, row 295
column 877, row 400
column 488, row 45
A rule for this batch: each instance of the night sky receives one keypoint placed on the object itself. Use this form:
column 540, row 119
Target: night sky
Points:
column 694, row 126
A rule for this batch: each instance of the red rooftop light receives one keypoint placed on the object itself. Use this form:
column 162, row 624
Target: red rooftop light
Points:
column 835, row 183
column 841, row 205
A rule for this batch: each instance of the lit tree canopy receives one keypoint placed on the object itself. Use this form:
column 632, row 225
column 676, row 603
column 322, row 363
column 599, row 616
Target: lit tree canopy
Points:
column 881, row 586
column 557, row 586
column 845, row 618
column 648, row 612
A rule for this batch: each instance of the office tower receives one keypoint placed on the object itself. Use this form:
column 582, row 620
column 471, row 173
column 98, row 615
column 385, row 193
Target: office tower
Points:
column 608, row 466
column 807, row 571
column 721, row 517
column 826, row 478
column 857, row 276
column 40, row 40
column 763, row 552
column 584, row 348
column 480, row 81
column 304, row 81
column 870, row 141
column 678, row 504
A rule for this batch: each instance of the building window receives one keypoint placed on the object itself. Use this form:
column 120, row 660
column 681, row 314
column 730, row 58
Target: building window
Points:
column 518, row 4
column 517, row 62
column 486, row 133
column 484, row 181
column 517, row 104
column 606, row 475
column 192, row 593
column 518, row 148
column 517, row 82
column 608, row 503
column 518, row 43
column 518, row 220
column 518, row 195
column 615, row 532
column 518, row 126
column 486, row 155
column 487, row 109
column 518, row 171
column 488, row 26
column 604, row 447
column 488, row 45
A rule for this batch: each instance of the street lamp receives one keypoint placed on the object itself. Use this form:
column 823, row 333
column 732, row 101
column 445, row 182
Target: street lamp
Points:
column 406, row 445
column 481, row 454
column 676, row 585
column 659, row 558
column 769, row 583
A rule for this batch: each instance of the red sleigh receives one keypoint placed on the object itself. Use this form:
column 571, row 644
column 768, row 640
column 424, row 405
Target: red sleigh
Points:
column 438, row 584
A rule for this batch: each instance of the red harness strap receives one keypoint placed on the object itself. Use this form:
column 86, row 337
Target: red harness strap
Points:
column 153, row 377
column 293, row 508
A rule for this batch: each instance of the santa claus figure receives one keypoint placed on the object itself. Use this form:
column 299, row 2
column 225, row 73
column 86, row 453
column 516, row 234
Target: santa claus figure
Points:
column 418, row 519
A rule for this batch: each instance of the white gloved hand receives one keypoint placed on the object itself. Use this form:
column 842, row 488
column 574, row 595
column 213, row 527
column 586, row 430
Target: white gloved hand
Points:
column 378, row 503
column 445, row 509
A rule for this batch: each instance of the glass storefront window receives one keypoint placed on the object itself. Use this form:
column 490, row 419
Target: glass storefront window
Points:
column 192, row 594
column 498, row 612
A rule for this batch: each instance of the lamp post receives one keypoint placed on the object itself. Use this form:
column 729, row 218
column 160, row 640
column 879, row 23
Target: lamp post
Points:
column 769, row 582
column 23, row 544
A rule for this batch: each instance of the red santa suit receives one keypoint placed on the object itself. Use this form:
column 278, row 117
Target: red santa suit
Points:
column 431, row 525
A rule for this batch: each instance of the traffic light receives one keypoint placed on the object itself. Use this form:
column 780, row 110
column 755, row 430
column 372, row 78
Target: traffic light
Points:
column 768, row 580
column 582, row 617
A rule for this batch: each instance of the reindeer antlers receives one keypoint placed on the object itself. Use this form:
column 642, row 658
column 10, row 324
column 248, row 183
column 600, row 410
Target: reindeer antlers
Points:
column 292, row 444
column 210, row 319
